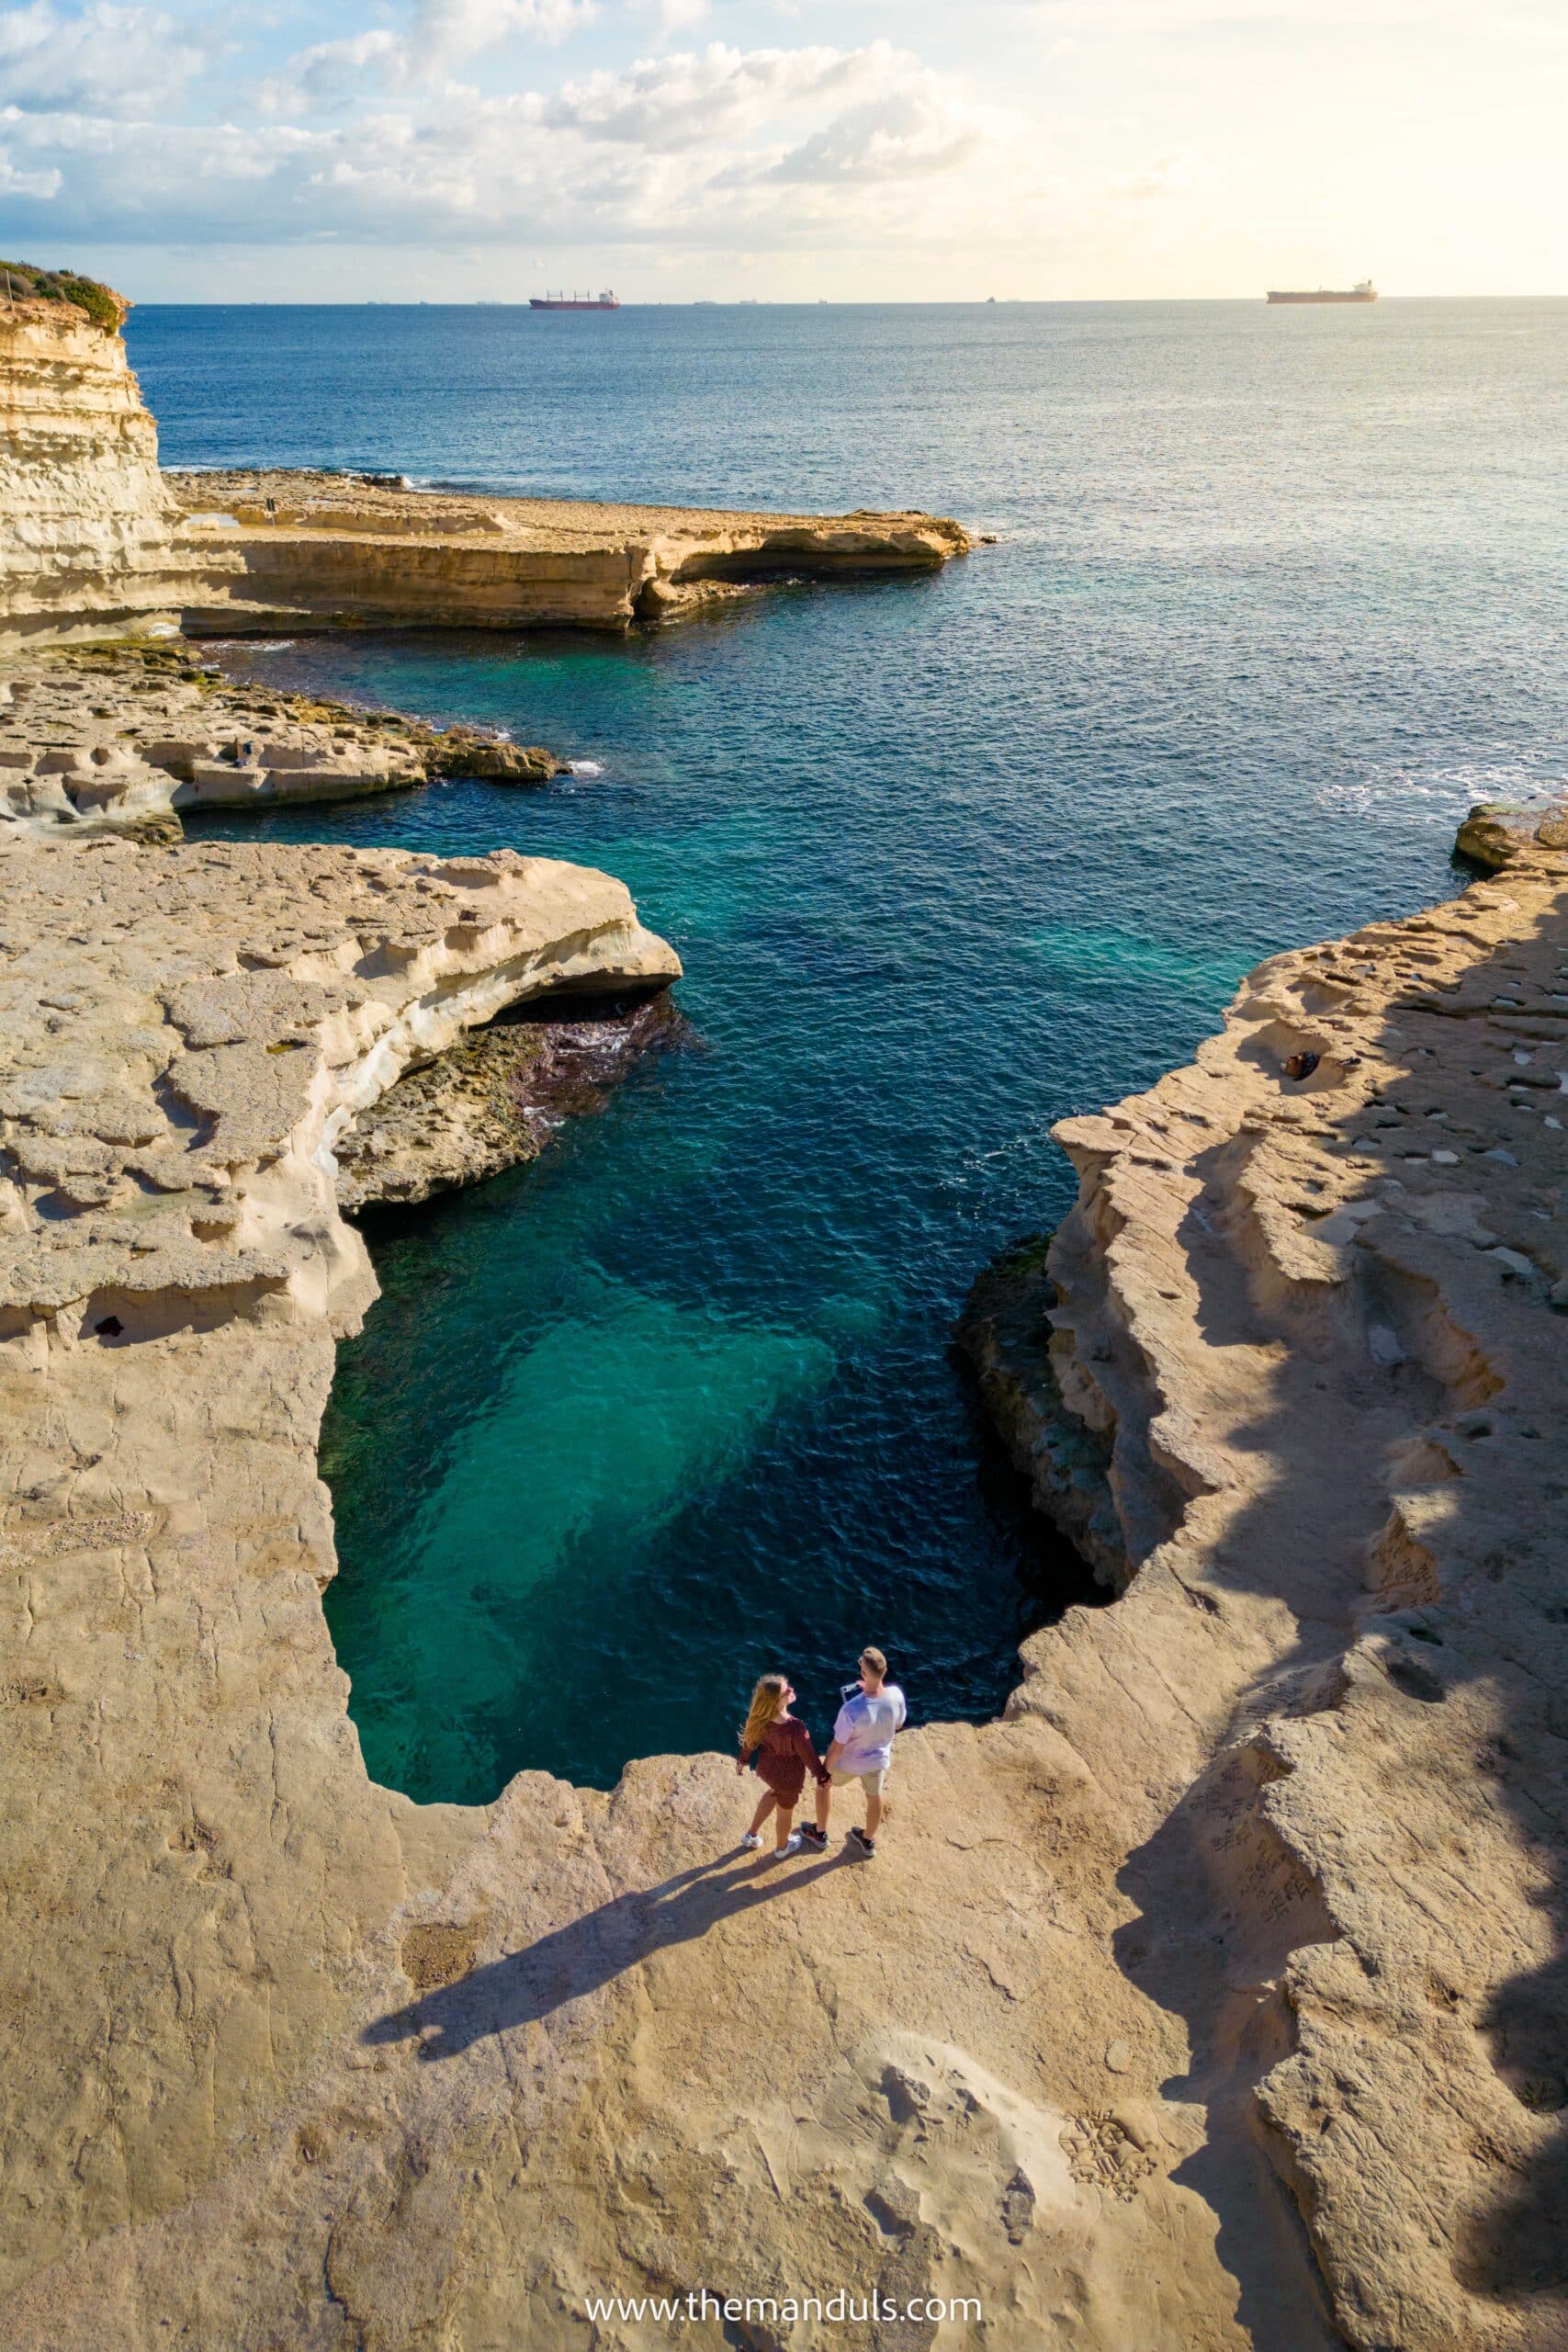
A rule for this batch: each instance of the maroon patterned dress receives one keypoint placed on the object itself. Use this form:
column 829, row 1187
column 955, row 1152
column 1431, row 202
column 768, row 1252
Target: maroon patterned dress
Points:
column 785, row 1756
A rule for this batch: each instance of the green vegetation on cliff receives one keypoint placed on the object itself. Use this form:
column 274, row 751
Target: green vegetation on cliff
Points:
column 21, row 281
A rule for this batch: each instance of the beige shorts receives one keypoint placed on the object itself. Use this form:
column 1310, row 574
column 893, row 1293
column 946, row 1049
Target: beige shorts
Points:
column 869, row 1780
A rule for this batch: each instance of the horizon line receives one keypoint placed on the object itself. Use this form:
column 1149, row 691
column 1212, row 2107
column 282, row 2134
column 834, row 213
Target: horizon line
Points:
column 789, row 302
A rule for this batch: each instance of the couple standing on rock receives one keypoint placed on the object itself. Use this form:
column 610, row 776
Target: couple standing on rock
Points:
column 861, row 1750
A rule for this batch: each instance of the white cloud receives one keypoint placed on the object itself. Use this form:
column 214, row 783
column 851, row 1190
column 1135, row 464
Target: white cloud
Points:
column 698, row 100
column 114, row 60
column 719, row 147
column 331, row 70
column 1086, row 146
column 908, row 133
column 40, row 185
column 441, row 35
column 445, row 31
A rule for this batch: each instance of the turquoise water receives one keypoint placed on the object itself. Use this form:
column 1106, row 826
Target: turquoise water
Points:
column 1276, row 596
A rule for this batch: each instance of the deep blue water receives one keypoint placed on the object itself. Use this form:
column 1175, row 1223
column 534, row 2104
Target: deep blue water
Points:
column 1277, row 595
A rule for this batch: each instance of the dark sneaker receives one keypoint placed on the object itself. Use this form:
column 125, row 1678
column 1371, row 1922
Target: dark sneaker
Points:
column 861, row 1844
column 813, row 1837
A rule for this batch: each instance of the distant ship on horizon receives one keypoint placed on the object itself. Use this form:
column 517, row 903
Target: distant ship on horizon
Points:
column 1365, row 292
column 605, row 301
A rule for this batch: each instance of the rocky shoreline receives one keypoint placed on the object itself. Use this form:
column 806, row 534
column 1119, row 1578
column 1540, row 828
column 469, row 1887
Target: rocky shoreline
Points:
column 96, row 542
column 123, row 737
column 1241, row 1918
column 1293, row 1372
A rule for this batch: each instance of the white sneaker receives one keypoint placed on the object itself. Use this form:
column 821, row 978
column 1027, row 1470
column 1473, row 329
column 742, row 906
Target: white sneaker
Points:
column 750, row 1841
column 793, row 1843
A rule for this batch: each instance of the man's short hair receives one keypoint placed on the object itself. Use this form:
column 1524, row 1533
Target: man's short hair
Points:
column 875, row 1659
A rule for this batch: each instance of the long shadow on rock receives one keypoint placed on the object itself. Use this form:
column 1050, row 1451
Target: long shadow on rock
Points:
column 588, row 1954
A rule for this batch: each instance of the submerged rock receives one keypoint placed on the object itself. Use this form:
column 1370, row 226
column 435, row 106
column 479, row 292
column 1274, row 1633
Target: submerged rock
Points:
column 495, row 1098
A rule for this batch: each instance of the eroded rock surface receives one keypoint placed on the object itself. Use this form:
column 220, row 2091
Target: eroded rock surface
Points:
column 1294, row 1371
column 1245, row 1912
column 347, row 548
column 189, row 1032
column 290, row 2060
column 95, row 541
column 104, row 739
column 1497, row 831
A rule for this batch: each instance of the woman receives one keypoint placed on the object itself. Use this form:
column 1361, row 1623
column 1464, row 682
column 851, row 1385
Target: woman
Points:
column 785, row 1755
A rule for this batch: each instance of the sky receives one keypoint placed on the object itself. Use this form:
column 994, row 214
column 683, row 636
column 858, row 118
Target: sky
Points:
column 785, row 150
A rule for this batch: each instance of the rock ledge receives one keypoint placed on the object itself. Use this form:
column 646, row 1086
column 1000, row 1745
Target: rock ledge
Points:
column 1292, row 1371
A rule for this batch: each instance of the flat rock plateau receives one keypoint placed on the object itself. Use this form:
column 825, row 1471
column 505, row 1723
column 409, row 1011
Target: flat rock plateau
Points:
column 339, row 548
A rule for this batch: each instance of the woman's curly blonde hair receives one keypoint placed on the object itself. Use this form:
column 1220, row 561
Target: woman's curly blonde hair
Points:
column 767, row 1706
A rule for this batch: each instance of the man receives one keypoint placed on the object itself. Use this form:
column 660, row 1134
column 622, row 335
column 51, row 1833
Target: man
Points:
column 861, row 1750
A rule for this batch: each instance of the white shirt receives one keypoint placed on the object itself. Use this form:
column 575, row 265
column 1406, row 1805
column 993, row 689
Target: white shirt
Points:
column 865, row 1728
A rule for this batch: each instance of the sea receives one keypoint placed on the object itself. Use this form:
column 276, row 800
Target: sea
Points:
column 1275, row 595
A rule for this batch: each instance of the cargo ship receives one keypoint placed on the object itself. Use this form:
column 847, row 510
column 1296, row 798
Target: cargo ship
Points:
column 1365, row 292
column 605, row 301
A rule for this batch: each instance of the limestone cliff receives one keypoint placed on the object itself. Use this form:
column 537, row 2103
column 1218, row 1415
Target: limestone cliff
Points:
column 1292, row 1371
column 1243, row 1917
column 1246, row 1914
column 96, row 541
column 334, row 548
column 88, row 534
column 1212, row 1999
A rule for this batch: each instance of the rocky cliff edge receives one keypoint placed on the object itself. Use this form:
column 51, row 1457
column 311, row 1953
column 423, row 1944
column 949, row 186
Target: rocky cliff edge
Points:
column 90, row 540
column 1207, row 2000
column 1292, row 1371
column 318, row 549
